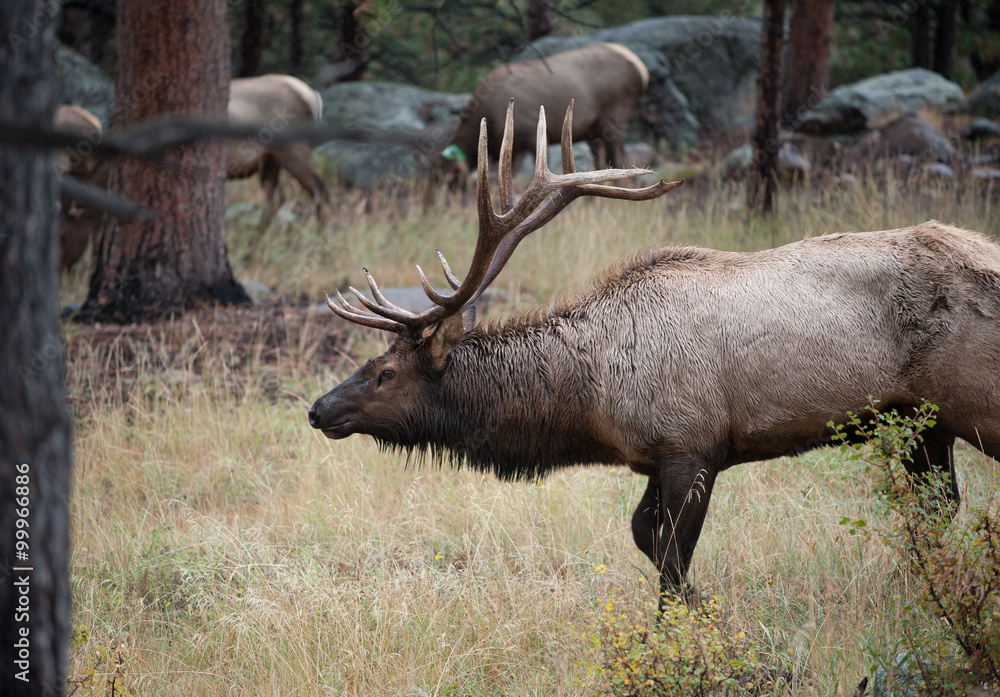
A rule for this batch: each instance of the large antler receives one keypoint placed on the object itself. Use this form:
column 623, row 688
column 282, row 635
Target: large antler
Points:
column 499, row 234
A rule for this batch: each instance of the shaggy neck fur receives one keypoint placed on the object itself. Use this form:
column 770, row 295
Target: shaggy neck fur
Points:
column 511, row 402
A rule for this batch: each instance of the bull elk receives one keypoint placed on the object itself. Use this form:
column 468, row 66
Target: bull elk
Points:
column 681, row 362
column 605, row 80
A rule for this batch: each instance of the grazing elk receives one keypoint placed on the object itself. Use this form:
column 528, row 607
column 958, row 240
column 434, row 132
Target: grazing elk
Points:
column 273, row 102
column 77, row 220
column 606, row 81
column 682, row 362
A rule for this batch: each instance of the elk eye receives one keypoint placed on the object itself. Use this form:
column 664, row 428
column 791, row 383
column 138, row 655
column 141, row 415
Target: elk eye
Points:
column 386, row 374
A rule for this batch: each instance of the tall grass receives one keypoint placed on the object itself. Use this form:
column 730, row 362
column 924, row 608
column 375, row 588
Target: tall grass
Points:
column 233, row 550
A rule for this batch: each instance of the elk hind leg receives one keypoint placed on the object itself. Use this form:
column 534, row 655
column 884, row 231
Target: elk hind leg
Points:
column 932, row 467
column 295, row 158
column 270, row 171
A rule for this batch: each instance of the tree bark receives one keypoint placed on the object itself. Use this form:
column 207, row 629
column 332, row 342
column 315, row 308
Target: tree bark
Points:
column 173, row 58
column 920, row 32
column 539, row 19
column 944, row 36
column 35, row 427
column 352, row 42
column 807, row 65
column 252, row 40
column 295, row 37
column 762, row 185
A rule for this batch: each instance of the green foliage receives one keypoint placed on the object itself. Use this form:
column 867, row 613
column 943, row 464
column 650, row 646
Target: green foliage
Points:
column 685, row 652
column 949, row 637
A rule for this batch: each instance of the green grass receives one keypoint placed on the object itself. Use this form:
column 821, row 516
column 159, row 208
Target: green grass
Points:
column 233, row 550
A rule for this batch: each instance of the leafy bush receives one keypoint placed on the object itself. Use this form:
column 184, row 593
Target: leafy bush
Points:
column 685, row 651
column 950, row 636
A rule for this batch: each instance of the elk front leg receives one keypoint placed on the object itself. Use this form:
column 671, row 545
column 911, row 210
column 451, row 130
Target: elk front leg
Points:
column 667, row 523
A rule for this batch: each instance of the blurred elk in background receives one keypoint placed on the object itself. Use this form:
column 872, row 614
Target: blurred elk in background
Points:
column 604, row 80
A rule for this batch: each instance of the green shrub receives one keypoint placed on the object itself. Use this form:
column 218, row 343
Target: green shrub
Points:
column 949, row 638
column 684, row 651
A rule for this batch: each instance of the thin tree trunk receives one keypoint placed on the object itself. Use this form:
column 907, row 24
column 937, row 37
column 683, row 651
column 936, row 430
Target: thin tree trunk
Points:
column 920, row 32
column 252, row 40
column 173, row 59
column 352, row 42
column 944, row 36
column 807, row 65
column 35, row 426
column 762, row 185
column 295, row 51
column 539, row 19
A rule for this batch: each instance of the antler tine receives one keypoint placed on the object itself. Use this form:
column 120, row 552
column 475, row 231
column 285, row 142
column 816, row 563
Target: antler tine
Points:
column 363, row 318
column 568, row 166
column 452, row 278
column 541, row 148
column 377, row 294
column 506, row 165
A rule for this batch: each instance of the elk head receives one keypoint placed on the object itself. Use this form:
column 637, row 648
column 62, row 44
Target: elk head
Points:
column 394, row 397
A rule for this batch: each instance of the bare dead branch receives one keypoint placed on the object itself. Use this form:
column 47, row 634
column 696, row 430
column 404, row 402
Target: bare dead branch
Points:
column 153, row 137
column 100, row 199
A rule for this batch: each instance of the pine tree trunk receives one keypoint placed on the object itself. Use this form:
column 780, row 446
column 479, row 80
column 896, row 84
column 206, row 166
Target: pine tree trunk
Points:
column 34, row 426
column 252, row 40
column 173, row 58
column 920, row 30
column 539, row 21
column 762, row 185
column 807, row 65
column 295, row 51
column 352, row 41
column 944, row 36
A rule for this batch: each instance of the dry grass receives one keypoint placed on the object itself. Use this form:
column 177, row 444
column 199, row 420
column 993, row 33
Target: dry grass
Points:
column 233, row 550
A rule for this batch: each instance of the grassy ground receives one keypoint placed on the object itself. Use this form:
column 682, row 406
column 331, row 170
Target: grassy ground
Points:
column 221, row 546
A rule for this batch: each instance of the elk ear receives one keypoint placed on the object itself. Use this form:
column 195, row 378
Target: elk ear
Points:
column 444, row 337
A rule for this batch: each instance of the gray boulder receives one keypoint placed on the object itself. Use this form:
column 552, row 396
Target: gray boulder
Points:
column 985, row 101
column 873, row 102
column 84, row 84
column 982, row 129
column 710, row 62
column 907, row 136
column 792, row 164
column 384, row 106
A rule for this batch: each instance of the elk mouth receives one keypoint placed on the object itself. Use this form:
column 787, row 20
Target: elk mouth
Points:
column 341, row 429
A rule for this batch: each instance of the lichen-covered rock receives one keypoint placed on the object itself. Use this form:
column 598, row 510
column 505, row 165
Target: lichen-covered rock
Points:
column 84, row 84
column 387, row 107
column 981, row 129
column 906, row 136
column 873, row 102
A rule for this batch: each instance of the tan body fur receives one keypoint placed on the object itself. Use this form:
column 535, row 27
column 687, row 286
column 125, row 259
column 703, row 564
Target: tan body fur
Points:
column 273, row 102
column 77, row 222
column 606, row 81
column 683, row 362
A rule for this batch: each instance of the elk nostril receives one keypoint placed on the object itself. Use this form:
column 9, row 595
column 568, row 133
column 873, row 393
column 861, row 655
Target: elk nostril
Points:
column 312, row 416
